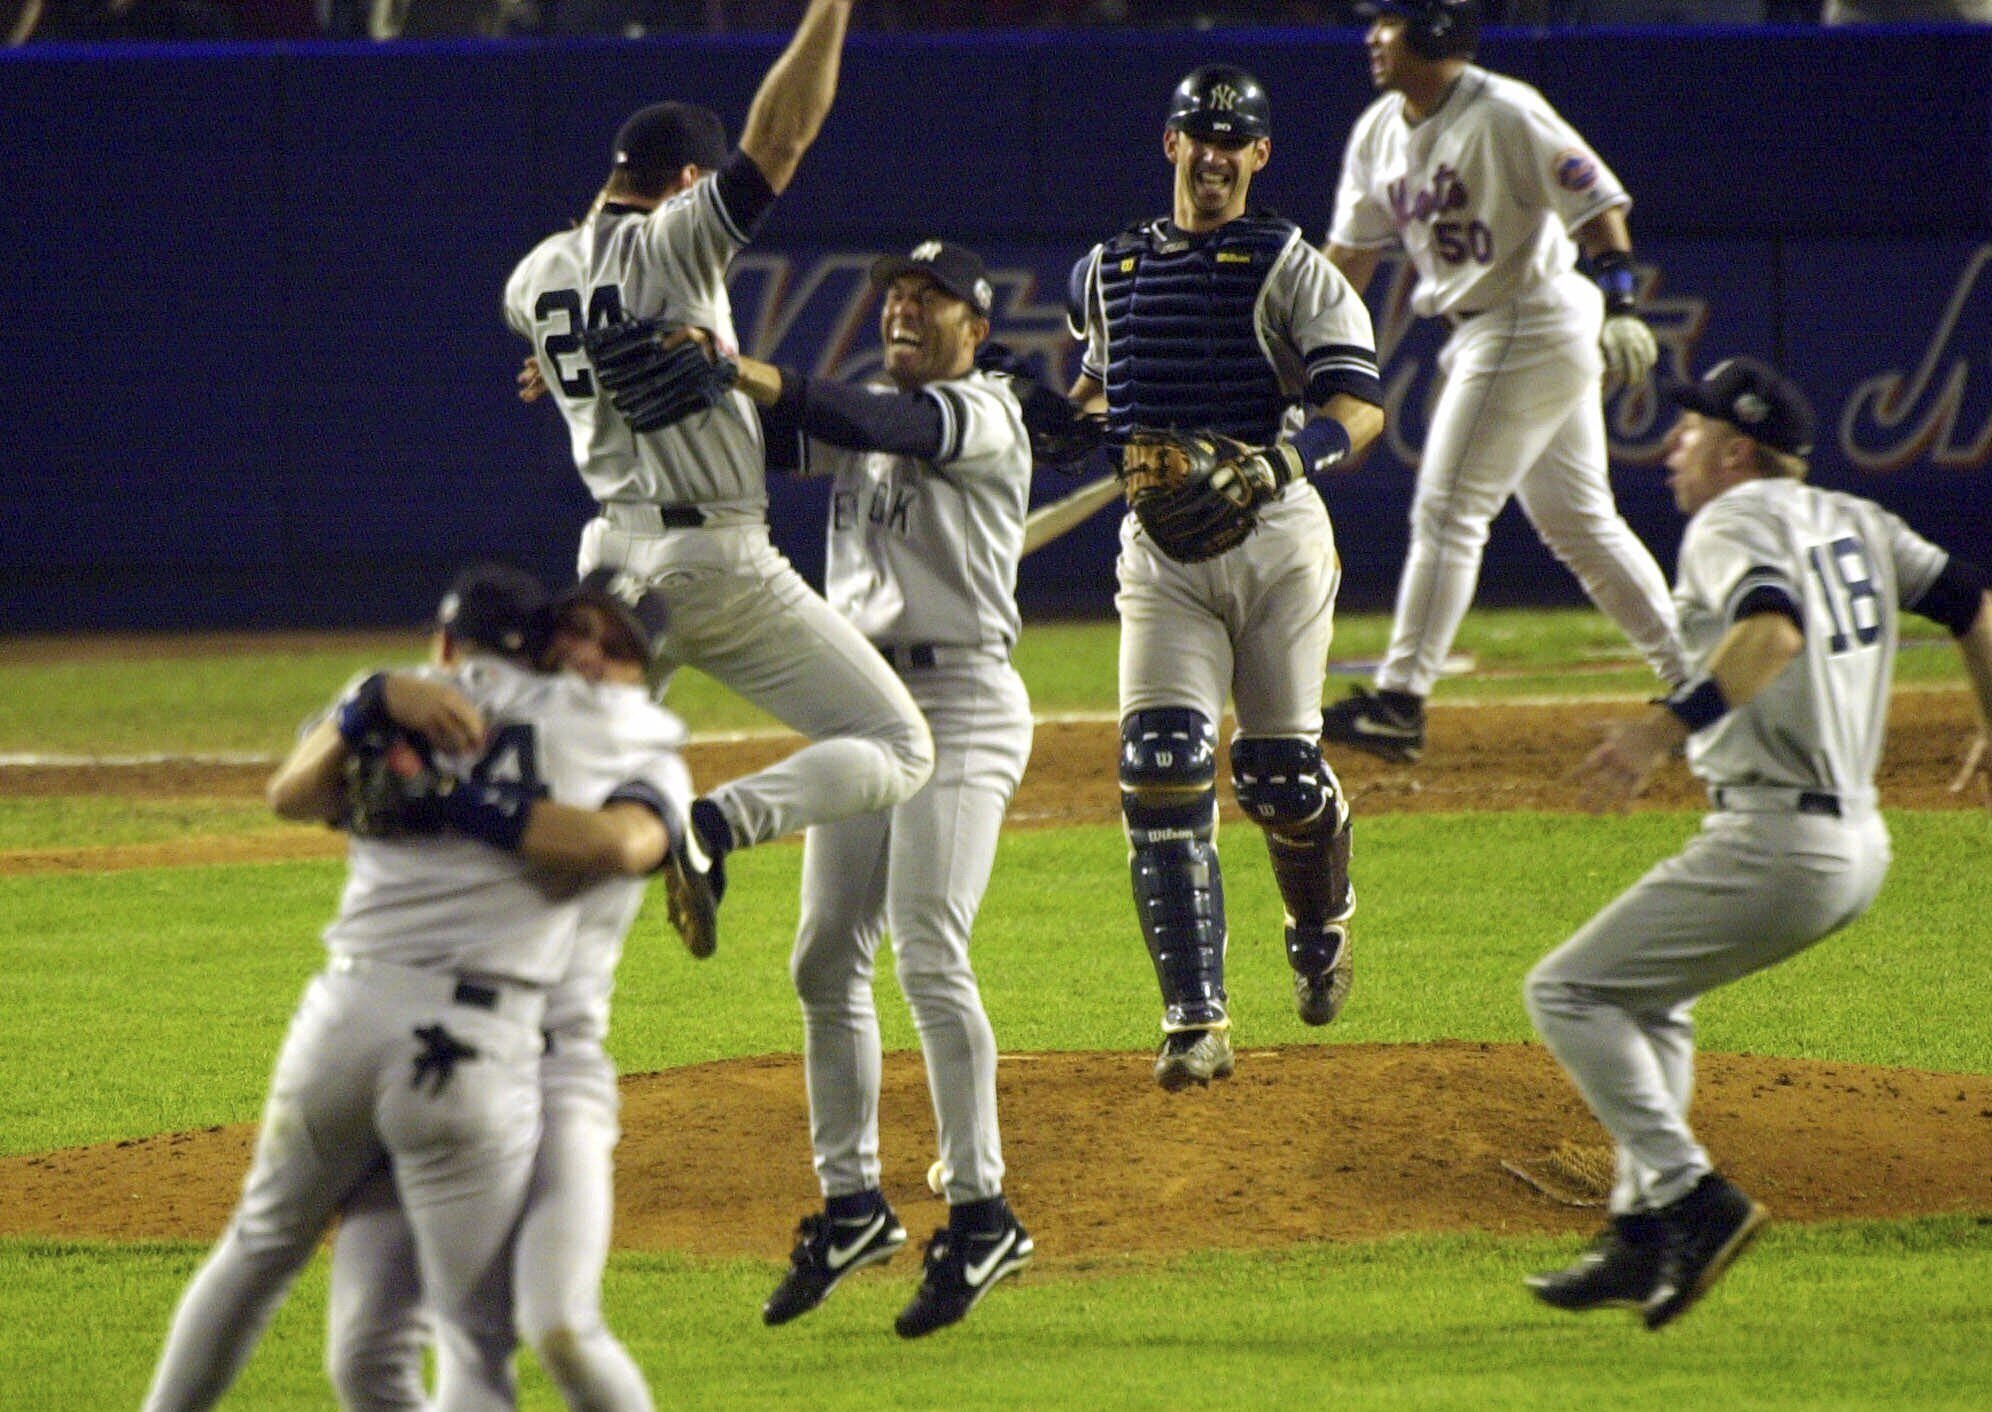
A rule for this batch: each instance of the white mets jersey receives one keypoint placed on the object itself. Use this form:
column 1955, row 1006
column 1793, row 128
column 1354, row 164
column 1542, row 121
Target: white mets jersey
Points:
column 624, row 263
column 452, row 903
column 1482, row 194
column 1847, row 564
column 926, row 552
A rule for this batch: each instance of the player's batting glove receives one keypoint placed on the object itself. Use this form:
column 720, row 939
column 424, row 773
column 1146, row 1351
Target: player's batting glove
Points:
column 1630, row 350
column 1253, row 475
column 1628, row 344
column 655, row 372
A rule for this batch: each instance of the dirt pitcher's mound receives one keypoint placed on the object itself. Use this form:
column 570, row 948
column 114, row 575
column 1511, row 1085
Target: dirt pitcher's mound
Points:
column 1323, row 1142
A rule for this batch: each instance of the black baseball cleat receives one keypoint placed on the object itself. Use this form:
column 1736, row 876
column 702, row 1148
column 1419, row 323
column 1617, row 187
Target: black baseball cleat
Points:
column 1616, row 1271
column 691, row 898
column 1387, row 724
column 1194, row 1057
column 961, row 1267
column 828, row 1248
column 1319, row 995
column 1701, row 1236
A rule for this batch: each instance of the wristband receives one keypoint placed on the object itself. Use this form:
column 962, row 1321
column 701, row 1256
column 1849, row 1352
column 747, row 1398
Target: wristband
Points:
column 1322, row 443
column 646, row 794
column 1697, row 707
column 363, row 712
column 1616, row 277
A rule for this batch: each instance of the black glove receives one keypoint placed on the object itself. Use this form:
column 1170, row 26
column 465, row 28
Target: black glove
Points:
column 398, row 793
column 655, row 373
column 1061, row 435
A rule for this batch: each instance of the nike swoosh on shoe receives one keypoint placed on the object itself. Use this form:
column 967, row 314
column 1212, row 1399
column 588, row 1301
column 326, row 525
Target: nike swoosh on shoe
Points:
column 838, row 1256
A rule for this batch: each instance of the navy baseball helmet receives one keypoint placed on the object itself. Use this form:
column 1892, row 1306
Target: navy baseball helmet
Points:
column 1221, row 101
column 1435, row 29
column 495, row 606
column 630, row 604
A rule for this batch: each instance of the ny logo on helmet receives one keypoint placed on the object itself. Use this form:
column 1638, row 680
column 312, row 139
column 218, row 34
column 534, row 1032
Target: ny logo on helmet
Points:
column 1223, row 96
column 927, row 250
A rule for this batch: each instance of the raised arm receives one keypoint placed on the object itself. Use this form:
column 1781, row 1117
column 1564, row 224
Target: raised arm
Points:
column 310, row 787
column 795, row 97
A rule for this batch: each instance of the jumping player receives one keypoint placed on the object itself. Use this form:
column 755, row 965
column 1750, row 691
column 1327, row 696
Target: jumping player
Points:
column 1484, row 186
column 419, row 1043
column 932, row 482
column 684, row 508
column 1789, row 600
column 1221, row 318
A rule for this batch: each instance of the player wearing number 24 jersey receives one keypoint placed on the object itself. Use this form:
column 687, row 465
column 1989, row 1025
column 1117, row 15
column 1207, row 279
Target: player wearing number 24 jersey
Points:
column 1490, row 194
column 1789, row 600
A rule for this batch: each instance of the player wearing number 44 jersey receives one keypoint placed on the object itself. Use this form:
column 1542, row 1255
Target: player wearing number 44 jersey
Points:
column 682, row 507
column 1789, row 599
column 1484, row 185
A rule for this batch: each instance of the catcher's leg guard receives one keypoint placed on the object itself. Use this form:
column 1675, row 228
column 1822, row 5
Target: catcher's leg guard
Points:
column 1168, row 778
column 1286, row 788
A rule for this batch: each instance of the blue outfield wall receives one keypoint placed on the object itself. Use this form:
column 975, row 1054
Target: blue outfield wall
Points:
column 259, row 376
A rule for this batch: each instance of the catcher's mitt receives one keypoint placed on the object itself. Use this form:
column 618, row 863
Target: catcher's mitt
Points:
column 655, row 372
column 1190, row 512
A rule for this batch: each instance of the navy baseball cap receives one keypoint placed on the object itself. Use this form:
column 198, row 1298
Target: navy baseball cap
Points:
column 955, row 268
column 654, row 143
column 495, row 606
column 637, row 610
column 1754, row 398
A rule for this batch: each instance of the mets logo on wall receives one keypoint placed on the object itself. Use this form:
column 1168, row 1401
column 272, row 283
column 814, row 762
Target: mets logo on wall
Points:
column 1575, row 171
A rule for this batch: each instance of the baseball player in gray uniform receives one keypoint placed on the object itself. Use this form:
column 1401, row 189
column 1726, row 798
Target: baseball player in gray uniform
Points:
column 1484, row 187
column 1788, row 600
column 1223, row 319
column 604, row 630
column 419, row 1043
column 932, row 483
column 684, row 507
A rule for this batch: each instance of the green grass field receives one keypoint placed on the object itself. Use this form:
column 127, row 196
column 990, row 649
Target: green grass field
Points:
column 153, row 1000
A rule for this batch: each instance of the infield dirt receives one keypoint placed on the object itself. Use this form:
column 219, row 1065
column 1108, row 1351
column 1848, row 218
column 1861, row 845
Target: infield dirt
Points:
column 1321, row 1142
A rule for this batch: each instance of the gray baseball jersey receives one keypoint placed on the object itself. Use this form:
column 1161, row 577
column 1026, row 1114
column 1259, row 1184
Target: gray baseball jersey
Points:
column 1482, row 195
column 1795, row 847
column 923, row 558
column 738, row 610
column 419, row 1045
column 623, row 263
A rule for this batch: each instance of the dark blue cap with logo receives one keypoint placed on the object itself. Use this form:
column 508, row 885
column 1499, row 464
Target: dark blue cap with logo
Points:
column 657, row 142
column 496, row 606
column 1756, row 399
column 955, row 268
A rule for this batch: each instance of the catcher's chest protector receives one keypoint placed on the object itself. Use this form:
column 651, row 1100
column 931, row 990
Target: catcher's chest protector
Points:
column 1182, row 337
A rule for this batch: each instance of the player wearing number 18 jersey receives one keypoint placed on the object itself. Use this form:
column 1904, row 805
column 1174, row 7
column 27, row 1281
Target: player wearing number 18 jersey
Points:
column 1484, row 186
column 1789, row 600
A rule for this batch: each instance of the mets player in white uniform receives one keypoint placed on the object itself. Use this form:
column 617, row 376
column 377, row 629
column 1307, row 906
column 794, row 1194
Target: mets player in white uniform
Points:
column 684, row 507
column 932, row 483
column 1220, row 318
column 377, row 1331
column 1491, row 193
column 1789, row 601
column 419, row 1043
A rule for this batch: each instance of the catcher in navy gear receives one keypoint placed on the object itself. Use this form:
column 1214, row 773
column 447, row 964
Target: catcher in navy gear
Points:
column 1231, row 362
